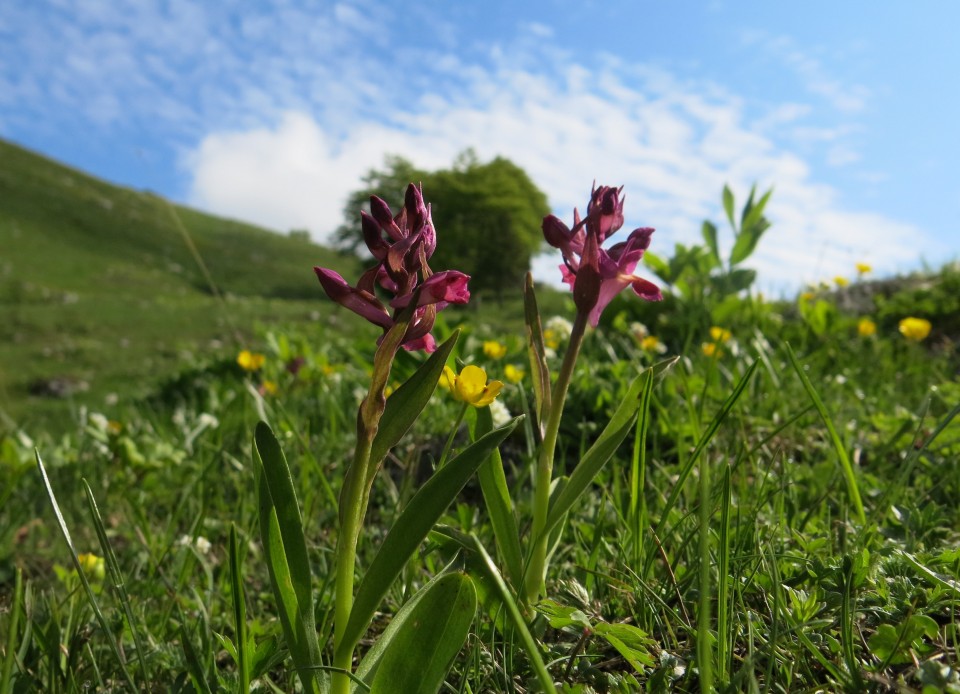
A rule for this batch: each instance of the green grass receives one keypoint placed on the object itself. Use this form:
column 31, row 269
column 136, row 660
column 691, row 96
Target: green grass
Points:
column 101, row 293
column 783, row 518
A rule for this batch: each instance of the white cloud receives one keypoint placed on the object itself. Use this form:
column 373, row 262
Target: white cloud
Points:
column 669, row 144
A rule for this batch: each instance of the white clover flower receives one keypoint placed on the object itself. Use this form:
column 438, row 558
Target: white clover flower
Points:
column 99, row 421
column 500, row 414
column 207, row 420
column 560, row 326
column 638, row 330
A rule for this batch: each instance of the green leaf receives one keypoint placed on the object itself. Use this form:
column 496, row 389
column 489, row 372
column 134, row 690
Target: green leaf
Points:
column 540, row 371
column 285, row 549
column 602, row 449
column 409, row 530
column 845, row 465
column 740, row 279
column 752, row 227
column 753, row 215
column 709, row 232
column 893, row 644
column 407, row 402
column 419, row 653
column 728, row 206
column 630, row 641
column 496, row 496
column 560, row 616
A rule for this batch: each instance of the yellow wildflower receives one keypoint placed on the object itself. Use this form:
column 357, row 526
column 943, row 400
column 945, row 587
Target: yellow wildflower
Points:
column 471, row 385
column 808, row 296
column 718, row 334
column 863, row 268
column 494, row 349
column 268, row 388
column 92, row 566
column 711, row 349
column 915, row 329
column 841, row 281
column 513, row 373
column 250, row 361
column 550, row 339
column 651, row 343
column 866, row 327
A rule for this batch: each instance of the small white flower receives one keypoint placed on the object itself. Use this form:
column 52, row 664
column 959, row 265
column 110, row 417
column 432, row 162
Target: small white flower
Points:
column 500, row 414
column 207, row 420
column 99, row 421
column 638, row 330
column 560, row 326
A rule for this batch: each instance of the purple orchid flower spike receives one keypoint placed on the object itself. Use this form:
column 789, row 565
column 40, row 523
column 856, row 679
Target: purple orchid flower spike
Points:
column 402, row 245
column 596, row 275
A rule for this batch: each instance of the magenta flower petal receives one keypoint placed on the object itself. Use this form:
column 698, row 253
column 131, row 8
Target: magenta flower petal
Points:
column 596, row 275
column 361, row 302
column 448, row 287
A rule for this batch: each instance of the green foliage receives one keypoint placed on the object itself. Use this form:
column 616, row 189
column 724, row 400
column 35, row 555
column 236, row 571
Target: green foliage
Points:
column 487, row 216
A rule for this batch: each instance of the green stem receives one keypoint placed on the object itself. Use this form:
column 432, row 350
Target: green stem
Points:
column 353, row 509
column 453, row 434
column 544, row 472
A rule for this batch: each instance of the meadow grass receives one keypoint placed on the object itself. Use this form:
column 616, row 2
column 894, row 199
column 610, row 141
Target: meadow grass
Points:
column 782, row 517
column 751, row 545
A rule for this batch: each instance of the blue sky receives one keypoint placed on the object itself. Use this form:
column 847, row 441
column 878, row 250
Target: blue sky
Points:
column 271, row 112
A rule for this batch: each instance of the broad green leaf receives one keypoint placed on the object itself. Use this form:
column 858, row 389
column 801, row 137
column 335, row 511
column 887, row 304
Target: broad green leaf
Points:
column 420, row 652
column 753, row 215
column 894, row 644
column 496, row 496
column 285, row 549
column 845, row 465
column 409, row 530
column 709, row 232
column 539, row 370
column 601, row 451
column 560, row 616
column 630, row 641
column 407, row 402
column 740, row 279
column 728, row 206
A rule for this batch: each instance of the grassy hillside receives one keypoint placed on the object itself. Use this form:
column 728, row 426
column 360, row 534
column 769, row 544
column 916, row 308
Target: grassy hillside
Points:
column 101, row 292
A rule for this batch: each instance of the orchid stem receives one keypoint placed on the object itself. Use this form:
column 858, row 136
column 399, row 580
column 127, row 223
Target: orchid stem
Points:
column 536, row 568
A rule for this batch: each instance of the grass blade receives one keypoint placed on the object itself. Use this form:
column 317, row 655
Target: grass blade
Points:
column 91, row 598
column 16, row 607
column 116, row 577
column 529, row 643
column 239, row 613
column 702, row 444
column 845, row 465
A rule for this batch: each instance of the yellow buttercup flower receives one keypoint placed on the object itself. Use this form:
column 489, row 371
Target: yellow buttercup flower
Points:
column 841, row 281
column 93, row 566
column 866, row 327
column 494, row 349
column 651, row 343
column 250, row 361
column 550, row 339
column 513, row 373
column 718, row 334
column 711, row 349
column 863, row 268
column 808, row 296
column 915, row 329
column 470, row 385
column 268, row 388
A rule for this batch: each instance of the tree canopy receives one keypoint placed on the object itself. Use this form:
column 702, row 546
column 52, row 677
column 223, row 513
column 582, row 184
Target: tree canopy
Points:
column 487, row 216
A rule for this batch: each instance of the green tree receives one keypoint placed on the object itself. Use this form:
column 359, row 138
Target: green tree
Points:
column 487, row 216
